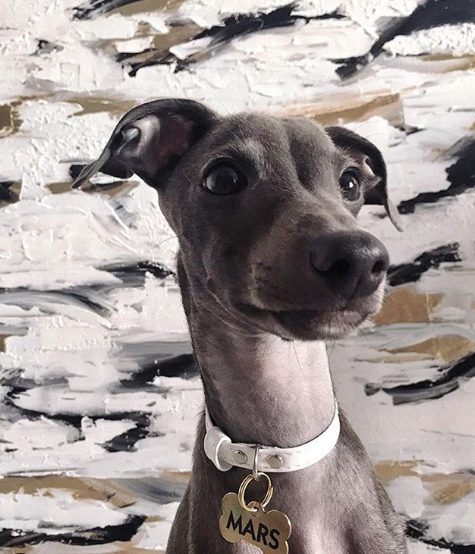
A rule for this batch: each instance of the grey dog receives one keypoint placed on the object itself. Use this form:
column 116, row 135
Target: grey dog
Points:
column 272, row 263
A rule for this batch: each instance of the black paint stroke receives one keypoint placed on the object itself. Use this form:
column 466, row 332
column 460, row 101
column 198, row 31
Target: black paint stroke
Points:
column 75, row 420
column 95, row 8
column 239, row 25
column 183, row 366
column 47, row 47
column 126, row 441
column 134, row 274
column 411, row 272
column 81, row 537
column 156, row 489
column 233, row 27
column 6, row 194
column 429, row 389
column 430, row 14
column 90, row 297
column 461, row 176
column 417, row 530
column 24, row 297
column 75, row 170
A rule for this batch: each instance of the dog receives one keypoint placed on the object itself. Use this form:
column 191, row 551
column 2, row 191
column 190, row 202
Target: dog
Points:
column 272, row 263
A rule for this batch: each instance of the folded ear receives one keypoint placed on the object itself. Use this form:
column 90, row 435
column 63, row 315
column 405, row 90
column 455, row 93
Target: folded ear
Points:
column 365, row 152
column 150, row 139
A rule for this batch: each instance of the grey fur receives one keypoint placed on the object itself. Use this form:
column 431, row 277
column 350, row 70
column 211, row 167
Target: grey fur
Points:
column 259, row 307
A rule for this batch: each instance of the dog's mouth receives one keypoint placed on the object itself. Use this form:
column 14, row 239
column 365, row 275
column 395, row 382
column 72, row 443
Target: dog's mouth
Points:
column 310, row 324
column 313, row 324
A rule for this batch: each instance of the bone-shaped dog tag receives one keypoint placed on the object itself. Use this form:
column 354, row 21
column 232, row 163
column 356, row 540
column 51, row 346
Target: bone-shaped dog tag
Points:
column 268, row 531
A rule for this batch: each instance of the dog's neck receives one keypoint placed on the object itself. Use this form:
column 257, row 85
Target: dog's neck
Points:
column 260, row 388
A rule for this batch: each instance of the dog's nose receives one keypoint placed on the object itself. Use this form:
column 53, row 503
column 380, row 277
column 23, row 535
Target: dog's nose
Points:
column 350, row 265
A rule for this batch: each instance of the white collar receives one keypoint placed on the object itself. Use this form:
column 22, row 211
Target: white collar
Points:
column 225, row 454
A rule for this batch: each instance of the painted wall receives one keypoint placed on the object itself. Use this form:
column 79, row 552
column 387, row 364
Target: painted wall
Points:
column 99, row 395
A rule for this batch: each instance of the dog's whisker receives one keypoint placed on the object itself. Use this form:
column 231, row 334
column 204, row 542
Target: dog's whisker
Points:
column 169, row 238
column 297, row 357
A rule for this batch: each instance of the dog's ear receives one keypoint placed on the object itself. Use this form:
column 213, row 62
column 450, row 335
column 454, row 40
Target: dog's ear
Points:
column 150, row 139
column 366, row 153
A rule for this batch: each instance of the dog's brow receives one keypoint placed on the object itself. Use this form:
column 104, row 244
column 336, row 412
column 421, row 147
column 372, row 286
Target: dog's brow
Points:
column 344, row 159
column 249, row 149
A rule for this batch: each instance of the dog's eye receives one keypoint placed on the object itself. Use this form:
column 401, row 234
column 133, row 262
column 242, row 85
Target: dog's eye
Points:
column 350, row 184
column 224, row 179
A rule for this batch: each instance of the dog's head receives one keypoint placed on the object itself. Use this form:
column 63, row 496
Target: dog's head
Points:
column 265, row 211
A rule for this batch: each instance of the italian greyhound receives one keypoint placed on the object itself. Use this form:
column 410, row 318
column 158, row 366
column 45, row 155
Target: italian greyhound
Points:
column 272, row 263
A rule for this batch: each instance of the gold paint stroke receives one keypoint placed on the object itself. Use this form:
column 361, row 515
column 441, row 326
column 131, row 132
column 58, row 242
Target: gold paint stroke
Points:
column 387, row 471
column 59, row 188
column 405, row 305
column 81, row 488
column 408, row 358
column 96, row 104
column 148, row 6
column 177, row 35
column 448, row 348
column 103, row 490
column 351, row 108
column 118, row 188
column 10, row 120
column 445, row 488
column 161, row 42
column 2, row 342
column 175, row 476
column 448, row 493
column 5, row 120
column 447, row 62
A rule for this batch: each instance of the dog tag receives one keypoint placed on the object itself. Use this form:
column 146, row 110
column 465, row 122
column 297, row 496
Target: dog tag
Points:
column 268, row 531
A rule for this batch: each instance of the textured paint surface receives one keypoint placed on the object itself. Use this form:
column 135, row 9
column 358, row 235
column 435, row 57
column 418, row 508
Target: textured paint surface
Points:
column 99, row 391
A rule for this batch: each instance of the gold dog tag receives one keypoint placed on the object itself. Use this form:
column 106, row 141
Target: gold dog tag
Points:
column 268, row 531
